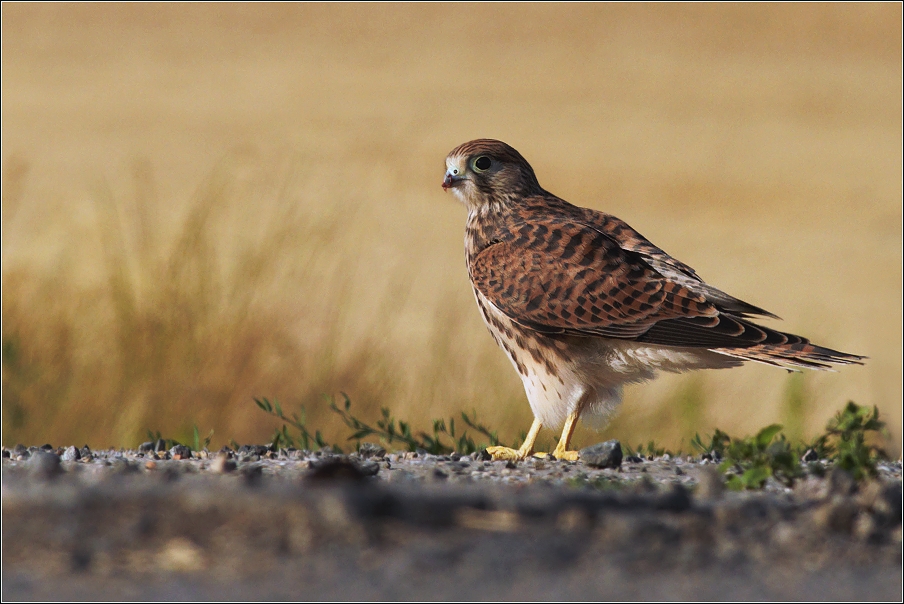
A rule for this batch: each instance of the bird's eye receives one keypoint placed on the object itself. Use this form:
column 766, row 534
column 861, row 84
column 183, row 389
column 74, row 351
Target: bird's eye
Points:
column 482, row 163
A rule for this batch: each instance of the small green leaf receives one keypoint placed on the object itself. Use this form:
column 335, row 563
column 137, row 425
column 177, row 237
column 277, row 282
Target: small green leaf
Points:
column 765, row 436
column 755, row 477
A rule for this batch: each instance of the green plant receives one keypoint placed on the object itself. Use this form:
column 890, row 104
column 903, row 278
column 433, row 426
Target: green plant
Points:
column 389, row 430
column 651, row 451
column 281, row 438
column 751, row 461
column 748, row 462
column 845, row 440
column 754, row 459
column 444, row 438
column 716, row 445
column 196, row 439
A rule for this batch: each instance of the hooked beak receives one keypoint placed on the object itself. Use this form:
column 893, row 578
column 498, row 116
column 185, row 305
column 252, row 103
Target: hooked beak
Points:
column 451, row 180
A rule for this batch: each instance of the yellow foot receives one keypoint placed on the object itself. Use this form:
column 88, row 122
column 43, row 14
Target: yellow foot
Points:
column 506, row 454
column 563, row 455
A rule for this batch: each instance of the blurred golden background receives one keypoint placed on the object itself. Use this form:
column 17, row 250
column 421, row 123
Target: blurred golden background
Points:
column 205, row 203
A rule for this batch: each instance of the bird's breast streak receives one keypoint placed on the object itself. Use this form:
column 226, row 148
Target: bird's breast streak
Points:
column 551, row 389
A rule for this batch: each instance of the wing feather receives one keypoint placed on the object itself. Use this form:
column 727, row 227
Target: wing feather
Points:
column 667, row 266
column 564, row 277
column 558, row 276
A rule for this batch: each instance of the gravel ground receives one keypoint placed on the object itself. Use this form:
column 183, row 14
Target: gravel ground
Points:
column 261, row 525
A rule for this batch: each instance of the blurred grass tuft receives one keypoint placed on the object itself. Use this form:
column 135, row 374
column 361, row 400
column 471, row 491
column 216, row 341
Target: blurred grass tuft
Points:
column 178, row 331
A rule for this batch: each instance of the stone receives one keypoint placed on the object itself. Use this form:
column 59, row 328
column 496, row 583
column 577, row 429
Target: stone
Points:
column 180, row 452
column 602, row 455
column 71, row 454
column 809, row 456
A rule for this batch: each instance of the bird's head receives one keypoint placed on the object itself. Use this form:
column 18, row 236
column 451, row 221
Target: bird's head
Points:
column 487, row 172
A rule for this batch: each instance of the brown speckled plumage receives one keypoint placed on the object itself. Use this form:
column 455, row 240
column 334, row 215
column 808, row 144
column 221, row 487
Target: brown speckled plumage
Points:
column 580, row 301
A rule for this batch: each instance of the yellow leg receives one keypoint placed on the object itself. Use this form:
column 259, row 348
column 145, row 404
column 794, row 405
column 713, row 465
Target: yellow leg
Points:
column 504, row 453
column 562, row 451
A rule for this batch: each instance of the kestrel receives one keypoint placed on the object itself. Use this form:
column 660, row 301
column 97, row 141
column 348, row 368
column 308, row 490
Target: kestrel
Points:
column 582, row 303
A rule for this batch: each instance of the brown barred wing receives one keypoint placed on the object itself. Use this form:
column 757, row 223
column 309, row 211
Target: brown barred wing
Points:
column 567, row 278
